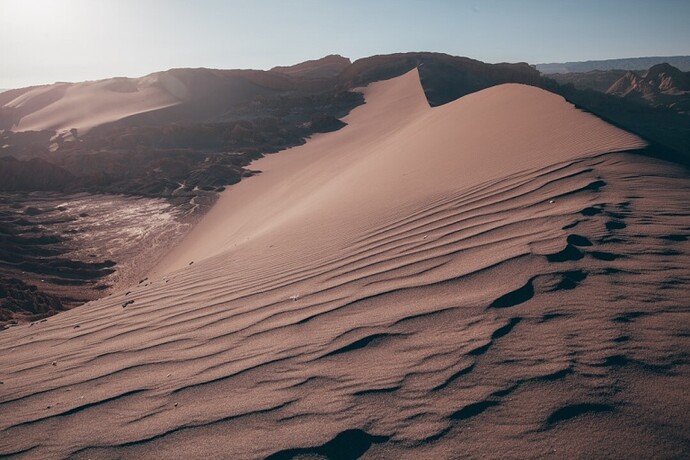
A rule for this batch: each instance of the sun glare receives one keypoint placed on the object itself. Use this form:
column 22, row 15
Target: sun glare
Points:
column 39, row 15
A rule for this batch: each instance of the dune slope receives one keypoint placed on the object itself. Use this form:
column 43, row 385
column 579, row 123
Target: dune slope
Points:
column 64, row 106
column 480, row 279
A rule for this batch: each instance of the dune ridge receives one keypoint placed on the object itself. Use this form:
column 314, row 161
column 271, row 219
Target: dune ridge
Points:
column 520, row 292
column 399, row 150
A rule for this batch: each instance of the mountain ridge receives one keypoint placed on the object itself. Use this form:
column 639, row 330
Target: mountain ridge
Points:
column 325, row 67
column 637, row 63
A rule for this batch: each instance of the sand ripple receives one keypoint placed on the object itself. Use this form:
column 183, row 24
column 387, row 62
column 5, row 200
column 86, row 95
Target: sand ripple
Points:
column 511, row 313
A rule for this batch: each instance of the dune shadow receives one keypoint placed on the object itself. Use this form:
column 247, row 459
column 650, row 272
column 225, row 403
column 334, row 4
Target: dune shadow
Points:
column 347, row 445
column 472, row 410
column 569, row 253
column 516, row 297
column 575, row 410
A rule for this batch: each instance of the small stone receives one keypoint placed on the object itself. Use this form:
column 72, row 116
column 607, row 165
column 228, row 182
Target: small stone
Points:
column 175, row 404
column 54, row 363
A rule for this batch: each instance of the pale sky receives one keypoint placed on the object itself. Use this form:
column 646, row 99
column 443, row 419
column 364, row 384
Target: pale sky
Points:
column 43, row 41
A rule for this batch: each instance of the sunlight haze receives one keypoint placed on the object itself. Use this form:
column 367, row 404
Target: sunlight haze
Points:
column 73, row 40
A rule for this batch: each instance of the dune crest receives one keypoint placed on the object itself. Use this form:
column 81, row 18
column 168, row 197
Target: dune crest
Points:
column 396, row 153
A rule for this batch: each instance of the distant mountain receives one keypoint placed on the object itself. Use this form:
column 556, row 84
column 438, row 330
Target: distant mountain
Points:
column 326, row 67
column 598, row 80
column 661, row 85
column 641, row 63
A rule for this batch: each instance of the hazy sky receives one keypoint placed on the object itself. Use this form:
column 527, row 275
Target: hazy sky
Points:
column 43, row 41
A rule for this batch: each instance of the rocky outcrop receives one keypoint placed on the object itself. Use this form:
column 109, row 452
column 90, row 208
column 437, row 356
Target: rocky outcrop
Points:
column 32, row 174
column 20, row 302
column 661, row 86
column 660, row 79
column 598, row 80
column 326, row 67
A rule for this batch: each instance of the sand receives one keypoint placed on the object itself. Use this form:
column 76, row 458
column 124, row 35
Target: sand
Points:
column 83, row 106
column 402, row 154
column 481, row 279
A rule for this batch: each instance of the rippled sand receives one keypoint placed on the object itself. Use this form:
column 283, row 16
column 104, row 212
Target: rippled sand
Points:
column 523, row 293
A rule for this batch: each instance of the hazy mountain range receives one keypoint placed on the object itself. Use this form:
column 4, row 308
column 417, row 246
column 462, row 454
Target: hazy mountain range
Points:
column 638, row 63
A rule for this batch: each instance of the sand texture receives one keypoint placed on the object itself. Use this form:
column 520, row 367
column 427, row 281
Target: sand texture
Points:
column 83, row 106
column 484, row 279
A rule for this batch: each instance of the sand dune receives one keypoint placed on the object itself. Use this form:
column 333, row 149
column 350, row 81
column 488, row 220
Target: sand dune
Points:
column 481, row 279
column 64, row 106
column 189, row 95
column 401, row 153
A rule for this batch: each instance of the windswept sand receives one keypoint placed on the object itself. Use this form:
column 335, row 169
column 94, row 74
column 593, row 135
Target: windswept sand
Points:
column 396, row 155
column 481, row 279
column 64, row 106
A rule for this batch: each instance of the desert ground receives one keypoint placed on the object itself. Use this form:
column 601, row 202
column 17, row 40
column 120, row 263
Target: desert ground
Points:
column 501, row 276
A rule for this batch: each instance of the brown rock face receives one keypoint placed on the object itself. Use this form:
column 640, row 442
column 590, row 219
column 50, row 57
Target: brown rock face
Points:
column 661, row 85
column 326, row 67
column 20, row 302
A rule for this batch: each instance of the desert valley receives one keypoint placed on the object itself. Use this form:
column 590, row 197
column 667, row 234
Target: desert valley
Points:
column 410, row 255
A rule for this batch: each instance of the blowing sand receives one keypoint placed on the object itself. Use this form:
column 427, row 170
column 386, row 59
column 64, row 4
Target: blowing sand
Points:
column 83, row 106
column 481, row 279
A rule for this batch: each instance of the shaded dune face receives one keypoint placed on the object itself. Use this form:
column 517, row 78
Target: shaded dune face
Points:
column 481, row 279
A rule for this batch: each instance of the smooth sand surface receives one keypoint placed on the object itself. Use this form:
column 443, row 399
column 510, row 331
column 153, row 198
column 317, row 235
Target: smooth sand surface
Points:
column 83, row 106
column 477, row 280
column 396, row 154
